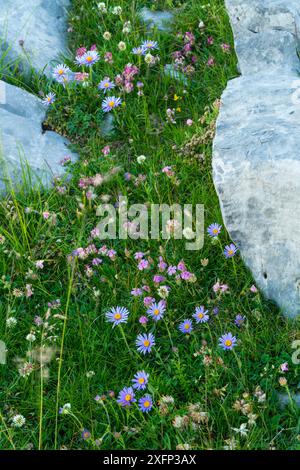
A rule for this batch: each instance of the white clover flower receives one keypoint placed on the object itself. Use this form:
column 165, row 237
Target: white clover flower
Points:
column 126, row 27
column 11, row 322
column 149, row 58
column 179, row 422
column 107, row 35
column 117, row 10
column 163, row 292
column 122, row 46
column 18, row 421
column 141, row 159
column 102, row 7
column 201, row 25
column 167, row 400
column 31, row 337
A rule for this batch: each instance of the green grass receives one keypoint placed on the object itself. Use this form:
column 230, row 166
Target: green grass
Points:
column 192, row 369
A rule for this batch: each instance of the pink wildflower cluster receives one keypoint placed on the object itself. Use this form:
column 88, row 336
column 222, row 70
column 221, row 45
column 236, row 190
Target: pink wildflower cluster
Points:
column 185, row 58
column 125, row 80
column 96, row 255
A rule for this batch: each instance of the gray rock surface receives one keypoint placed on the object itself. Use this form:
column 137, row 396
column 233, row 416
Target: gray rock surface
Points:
column 256, row 157
column 33, row 32
column 22, row 138
column 162, row 20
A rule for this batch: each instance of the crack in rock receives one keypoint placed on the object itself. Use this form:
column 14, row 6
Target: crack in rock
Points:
column 256, row 154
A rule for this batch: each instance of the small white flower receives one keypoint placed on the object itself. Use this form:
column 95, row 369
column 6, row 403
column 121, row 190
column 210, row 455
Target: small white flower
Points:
column 163, row 292
column 252, row 419
column 90, row 374
column 39, row 264
column 167, row 400
column 126, row 27
column 141, row 159
column 107, row 35
column 149, row 58
column 31, row 337
column 102, row 7
column 201, row 25
column 122, row 46
column 11, row 322
column 18, row 421
column 117, row 10
column 242, row 430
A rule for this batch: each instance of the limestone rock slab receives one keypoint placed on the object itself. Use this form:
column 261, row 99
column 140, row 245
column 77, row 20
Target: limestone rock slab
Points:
column 33, row 32
column 22, row 138
column 256, row 152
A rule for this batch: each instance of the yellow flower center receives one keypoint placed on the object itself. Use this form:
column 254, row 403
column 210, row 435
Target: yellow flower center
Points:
column 200, row 315
column 146, row 342
column 228, row 342
column 106, row 85
column 147, row 404
column 118, row 316
column 156, row 311
column 141, row 380
column 186, row 326
column 60, row 72
column 128, row 397
column 215, row 230
column 111, row 104
column 89, row 58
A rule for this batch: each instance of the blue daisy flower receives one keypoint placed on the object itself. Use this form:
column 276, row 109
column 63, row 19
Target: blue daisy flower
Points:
column 201, row 315
column 214, row 229
column 227, row 341
column 145, row 403
column 110, row 103
column 145, row 342
column 186, row 326
column 126, row 396
column 140, row 380
column 157, row 310
column 230, row 250
column 117, row 315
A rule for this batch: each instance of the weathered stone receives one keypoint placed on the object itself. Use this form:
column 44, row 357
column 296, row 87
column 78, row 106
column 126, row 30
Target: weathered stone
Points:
column 256, row 158
column 160, row 19
column 32, row 32
column 22, row 138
